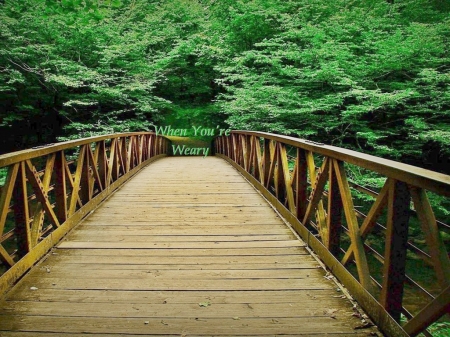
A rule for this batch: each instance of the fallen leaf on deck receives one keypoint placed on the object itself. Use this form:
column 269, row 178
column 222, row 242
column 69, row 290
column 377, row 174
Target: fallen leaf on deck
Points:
column 330, row 312
column 364, row 326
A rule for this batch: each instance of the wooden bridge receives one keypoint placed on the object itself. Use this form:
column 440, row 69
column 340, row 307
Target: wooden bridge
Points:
column 108, row 236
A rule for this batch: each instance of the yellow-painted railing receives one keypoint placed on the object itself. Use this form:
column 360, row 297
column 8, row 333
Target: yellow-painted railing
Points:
column 384, row 244
column 48, row 190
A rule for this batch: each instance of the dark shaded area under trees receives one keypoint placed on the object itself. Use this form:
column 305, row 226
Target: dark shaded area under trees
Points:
column 368, row 75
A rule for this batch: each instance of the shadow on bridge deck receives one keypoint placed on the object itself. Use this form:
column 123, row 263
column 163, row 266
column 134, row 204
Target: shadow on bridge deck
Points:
column 185, row 248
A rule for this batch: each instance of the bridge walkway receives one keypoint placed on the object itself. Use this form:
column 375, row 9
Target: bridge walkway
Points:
column 186, row 248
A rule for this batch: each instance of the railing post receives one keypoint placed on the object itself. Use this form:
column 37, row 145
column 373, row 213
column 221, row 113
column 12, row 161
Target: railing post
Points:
column 141, row 144
column 257, row 161
column 252, row 156
column 85, row 176
column 240, row 152
column 266, row 162
column 61, row 186
column 301, row 184
column 246, row 152
column 334, row 218
column 149, row 146
column 21, row 213
column 124, row 153
column 102, row 163
column 395, row 248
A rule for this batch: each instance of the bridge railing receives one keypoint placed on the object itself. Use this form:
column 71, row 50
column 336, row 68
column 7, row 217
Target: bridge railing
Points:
column 46, row 191
column 384, row 244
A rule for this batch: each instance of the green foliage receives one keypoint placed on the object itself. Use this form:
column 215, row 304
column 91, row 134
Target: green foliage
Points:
column 3, row 174
column 440, row 329
column 371, row 76
column 368, row 75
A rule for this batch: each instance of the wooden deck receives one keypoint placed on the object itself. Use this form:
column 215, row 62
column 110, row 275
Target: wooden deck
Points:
column 186, row 248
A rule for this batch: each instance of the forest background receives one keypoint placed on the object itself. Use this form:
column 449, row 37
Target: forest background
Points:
column 369, row 75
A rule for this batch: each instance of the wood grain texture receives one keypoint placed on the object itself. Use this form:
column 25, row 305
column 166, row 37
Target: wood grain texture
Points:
column 186, row 248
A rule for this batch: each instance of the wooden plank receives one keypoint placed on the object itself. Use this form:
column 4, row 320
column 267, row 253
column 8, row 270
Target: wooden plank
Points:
column 178, row 245
column 190, row 264
column 201, row 216
column 170, row 260
column 179, row 284
column 203, row 274
column 207, row 198
column 201, row 228
column 258, row 251
column 307, row 325
column 175, row 297
column 167, row 209
column 168, row 310
column 78, row 235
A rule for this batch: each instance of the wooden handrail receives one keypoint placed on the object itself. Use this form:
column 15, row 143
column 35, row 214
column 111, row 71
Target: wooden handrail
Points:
column 39, row 151
column 432, row 181
column 321, row 205
column 49, row 189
